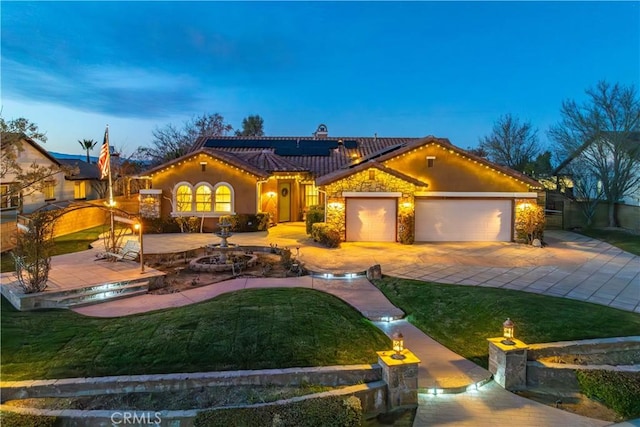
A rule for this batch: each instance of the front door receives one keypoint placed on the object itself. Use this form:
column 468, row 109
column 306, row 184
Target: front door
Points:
column 284, row 201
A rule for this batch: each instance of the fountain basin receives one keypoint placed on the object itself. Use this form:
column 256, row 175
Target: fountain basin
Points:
column 222, row 262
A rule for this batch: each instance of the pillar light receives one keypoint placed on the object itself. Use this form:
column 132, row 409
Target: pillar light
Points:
column 398, row 345
column 507, row 332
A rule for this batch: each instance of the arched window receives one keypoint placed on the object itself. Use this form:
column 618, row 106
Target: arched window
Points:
column 204, row 199
column 223, row 198
column 184, row 198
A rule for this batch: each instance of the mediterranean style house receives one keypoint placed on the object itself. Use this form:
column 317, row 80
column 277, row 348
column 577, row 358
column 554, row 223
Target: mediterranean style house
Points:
column 372, row 189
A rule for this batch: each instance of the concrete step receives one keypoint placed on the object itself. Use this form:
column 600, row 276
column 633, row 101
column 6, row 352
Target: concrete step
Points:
column 97, row 294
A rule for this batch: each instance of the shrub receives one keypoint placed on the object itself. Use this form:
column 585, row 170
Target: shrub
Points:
column 619, row 391
column 314, row 214
column 334, row 411
column 13, row 419
column 406, row 232
column 249, row 222
column 160, row 225
column 325, row 234
column 529, row 223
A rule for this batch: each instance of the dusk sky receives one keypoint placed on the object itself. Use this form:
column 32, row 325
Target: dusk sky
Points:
column 448, row 69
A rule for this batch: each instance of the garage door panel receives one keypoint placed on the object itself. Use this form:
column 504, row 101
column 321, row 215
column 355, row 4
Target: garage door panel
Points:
column 371, row 220
column 463, row 220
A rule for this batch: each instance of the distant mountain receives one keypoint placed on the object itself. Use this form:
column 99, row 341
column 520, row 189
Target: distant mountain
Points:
column 73, row 157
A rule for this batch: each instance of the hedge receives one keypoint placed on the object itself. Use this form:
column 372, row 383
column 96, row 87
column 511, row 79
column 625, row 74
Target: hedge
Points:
column 14, row 419
column 333, row 411
column 618, row 390
column 249, row 222
column 314, row 214
column 325, row 234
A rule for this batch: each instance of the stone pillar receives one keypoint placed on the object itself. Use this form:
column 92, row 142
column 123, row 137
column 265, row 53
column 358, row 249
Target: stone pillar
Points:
column 508, row 363
column 401, row 376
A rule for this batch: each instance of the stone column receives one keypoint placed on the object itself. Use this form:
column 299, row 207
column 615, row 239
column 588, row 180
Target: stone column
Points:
column 401, row 376
column 508, row 363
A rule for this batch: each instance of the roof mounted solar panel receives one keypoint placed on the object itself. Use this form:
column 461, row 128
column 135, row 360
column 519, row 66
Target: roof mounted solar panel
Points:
column 283, row 147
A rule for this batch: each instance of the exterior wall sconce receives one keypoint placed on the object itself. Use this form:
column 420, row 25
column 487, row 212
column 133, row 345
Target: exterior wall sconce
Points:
column 398, row 345
column 271, row 194
column 507, row 332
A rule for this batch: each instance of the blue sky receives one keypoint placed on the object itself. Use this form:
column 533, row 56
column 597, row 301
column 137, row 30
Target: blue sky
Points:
column 448, row 69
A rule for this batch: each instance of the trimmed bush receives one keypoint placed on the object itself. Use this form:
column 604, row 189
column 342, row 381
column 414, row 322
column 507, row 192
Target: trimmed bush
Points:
column 334, row 411
column 160, row 225
column 529, row 223
column 314, row 214
column 325, row 234
column 14, row 419
column 619, row 391
column 249, row 222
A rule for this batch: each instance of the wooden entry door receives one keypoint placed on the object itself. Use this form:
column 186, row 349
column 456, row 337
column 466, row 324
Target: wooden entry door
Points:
column 284, row 201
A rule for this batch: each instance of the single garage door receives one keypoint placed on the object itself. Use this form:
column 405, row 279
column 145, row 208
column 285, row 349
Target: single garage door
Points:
column 463, row 220
column 371, row 220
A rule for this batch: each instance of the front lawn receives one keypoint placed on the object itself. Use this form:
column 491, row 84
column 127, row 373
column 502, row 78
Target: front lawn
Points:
column 622, row 239
column 463, row 317
column 74, row 242
column 250, row 329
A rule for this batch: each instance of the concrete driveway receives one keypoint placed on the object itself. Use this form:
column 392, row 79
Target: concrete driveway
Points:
column 571, row 266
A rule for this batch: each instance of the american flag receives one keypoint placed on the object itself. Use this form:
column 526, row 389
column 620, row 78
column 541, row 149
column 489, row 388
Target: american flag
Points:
column 104, row 161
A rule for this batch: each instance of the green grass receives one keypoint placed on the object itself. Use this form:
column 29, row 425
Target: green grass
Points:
column 463, row 317
column 250, row 329
column 74, row 242
column 624, row 240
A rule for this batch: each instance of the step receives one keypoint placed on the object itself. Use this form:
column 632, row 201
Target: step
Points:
column 122, row 295
column 96, row 294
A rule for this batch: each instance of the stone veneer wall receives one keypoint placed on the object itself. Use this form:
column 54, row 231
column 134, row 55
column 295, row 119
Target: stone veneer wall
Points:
column 617, row 354
column 382, row 182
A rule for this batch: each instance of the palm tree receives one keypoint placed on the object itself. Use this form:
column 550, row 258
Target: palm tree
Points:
column 88, row 145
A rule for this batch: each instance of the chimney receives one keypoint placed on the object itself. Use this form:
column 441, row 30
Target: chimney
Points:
column 321, row 132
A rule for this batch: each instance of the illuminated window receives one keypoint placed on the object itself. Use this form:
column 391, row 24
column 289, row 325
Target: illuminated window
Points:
column 203, row 198
column 49, row 190
column 8, row 201
column 79, row 190
column 310, row 195
column 223, row 200
column 184, row 198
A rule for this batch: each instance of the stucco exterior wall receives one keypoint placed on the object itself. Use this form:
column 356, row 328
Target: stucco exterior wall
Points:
column 453, row 172
column 243, row 183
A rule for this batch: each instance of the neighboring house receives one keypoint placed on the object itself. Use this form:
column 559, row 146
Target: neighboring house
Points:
column 82, row 176
column 373, row 189
column 72, row 182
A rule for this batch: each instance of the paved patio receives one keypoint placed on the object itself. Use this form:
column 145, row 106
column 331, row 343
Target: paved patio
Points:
column 571, row 266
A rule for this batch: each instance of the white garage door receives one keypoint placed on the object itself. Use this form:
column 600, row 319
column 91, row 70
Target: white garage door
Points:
column 463, row 220
column 371, row 220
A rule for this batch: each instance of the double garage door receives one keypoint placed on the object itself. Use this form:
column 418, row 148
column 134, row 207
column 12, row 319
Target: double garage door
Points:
column 463, row 220
column 450, row 220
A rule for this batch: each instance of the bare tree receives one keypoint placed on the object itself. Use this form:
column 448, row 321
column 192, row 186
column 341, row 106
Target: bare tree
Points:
column 171, row 142
column 587, row 189
column 511, row 143
column 603, row 133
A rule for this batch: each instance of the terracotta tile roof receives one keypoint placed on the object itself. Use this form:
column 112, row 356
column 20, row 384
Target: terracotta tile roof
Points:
column 317, row 155
column 266, row 160
column 339, row 174
column 228, row 157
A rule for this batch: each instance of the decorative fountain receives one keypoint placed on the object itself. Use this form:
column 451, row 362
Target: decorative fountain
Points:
column 219, row 260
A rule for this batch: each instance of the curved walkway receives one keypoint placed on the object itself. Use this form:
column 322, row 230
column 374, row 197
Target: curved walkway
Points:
column 440, row 369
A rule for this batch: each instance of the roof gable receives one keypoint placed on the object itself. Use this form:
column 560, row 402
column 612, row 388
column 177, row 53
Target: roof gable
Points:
column 226, row 157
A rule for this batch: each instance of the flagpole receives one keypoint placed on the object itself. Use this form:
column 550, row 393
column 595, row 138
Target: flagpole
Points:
column 112, row 238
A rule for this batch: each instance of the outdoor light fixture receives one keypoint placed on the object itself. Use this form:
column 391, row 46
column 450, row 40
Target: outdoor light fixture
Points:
column 398, row 345
column 507, row 332
column 271, row 194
